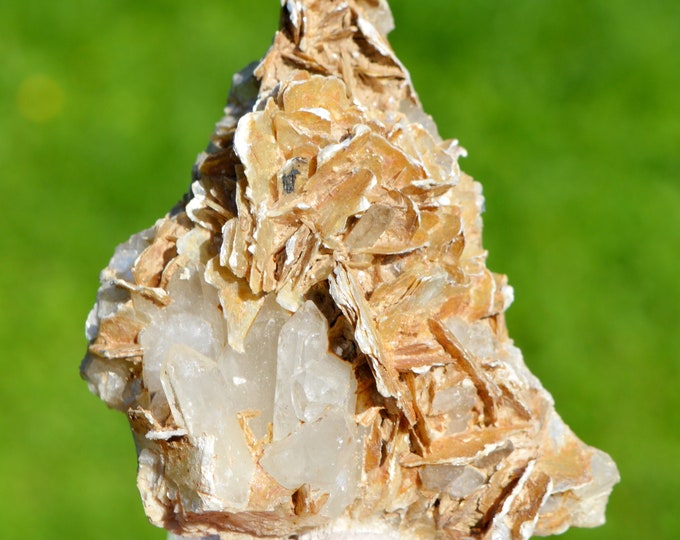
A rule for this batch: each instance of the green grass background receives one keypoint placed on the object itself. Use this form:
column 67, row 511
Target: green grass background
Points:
column 570, row 110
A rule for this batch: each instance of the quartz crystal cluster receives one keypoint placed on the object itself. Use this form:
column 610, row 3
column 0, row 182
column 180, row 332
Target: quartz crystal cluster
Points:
column 310, row 342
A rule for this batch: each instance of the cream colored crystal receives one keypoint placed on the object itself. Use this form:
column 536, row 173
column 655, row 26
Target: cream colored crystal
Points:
column 310, row 381
column 311, row 343
column 202, row 402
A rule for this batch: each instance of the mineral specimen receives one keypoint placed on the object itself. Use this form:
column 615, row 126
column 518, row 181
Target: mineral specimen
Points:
column 310, row 343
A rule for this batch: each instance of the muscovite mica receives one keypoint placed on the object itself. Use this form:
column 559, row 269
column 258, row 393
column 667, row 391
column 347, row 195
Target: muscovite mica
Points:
column 310, row 343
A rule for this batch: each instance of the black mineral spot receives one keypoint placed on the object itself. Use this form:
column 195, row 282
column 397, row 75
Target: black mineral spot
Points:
column 288, row 180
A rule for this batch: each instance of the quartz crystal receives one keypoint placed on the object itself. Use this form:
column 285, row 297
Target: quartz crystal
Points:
column 310, row 344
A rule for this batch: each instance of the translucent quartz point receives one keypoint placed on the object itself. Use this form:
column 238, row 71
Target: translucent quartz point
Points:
column 202, row 401
column 315, row 439
column 459, row 398
column 323, row 383
column 252, row 374
column 459, row 482
column 457, row 401
column 191, row 319
column 477, row 338
column 322, row 454
column 309, row 379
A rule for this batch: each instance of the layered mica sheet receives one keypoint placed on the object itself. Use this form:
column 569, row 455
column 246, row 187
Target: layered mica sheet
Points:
column 310, row 343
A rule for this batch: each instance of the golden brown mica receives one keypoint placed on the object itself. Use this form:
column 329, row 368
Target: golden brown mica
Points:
column 325, row 181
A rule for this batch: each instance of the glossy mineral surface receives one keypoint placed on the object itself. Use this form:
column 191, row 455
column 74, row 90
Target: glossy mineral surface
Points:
column 310, row 343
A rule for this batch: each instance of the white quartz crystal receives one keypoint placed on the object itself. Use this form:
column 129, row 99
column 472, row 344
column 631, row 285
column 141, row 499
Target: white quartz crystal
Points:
column 192, row 319
column 309, row 379
column 203, row 402
column 457, row 401
column 252, row 374
column 315, row 438
column 459, row 482
column 477, row 338
column 286, row 377
column 323, row 454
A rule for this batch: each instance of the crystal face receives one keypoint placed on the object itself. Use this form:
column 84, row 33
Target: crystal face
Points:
column 309, row 380
column 201, row 401
column 311, row 343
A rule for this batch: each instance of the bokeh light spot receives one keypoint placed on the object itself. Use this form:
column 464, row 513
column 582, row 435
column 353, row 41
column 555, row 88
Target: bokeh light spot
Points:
column 40, row 98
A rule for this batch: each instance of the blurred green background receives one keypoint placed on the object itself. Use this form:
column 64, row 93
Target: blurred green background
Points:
column 570, row 111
